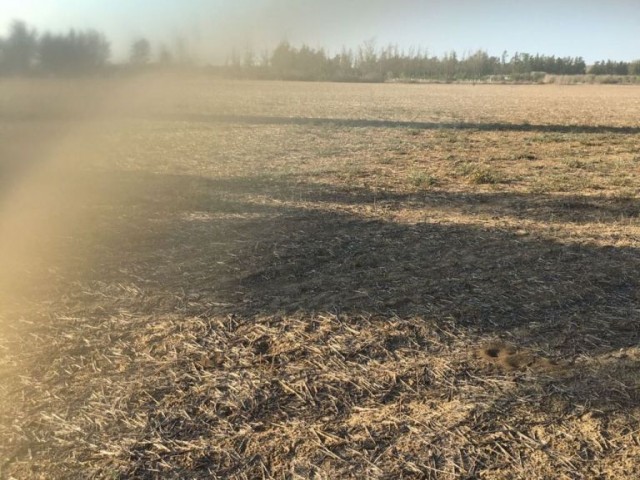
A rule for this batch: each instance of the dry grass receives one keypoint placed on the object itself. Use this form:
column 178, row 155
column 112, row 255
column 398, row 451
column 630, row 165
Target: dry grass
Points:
column 267, row 280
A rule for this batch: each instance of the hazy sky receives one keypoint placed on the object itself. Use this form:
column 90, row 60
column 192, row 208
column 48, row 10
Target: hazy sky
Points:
column 594, row 29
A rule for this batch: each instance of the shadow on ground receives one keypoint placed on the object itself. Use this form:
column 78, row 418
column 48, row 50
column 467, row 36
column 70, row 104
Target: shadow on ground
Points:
column 567, row 208
column 371, row 123
column 247, row 244
column 244, row 251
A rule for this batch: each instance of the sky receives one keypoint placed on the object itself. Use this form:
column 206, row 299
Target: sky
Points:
column 592, row 29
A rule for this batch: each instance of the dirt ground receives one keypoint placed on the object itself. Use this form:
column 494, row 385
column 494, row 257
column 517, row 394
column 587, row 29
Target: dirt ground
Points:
column 212, row 279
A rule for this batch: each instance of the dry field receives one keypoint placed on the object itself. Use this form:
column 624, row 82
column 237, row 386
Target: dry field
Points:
column 207, row 279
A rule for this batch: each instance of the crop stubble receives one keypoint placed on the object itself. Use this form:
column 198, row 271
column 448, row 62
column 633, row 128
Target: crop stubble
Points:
column 296, row 280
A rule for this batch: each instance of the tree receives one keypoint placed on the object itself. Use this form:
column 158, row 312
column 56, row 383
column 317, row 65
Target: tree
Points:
column 164, row 56
column 249, row 58
column 182, row 54
column 449, row 65
column 264, row 58
column 140, row 52
column 480, row 64
column 19, row 49
column 73, row 53
column 367, row 61
column 282, row 59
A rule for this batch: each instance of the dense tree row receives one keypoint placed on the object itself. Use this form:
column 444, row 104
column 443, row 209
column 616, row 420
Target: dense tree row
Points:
column 75, row 52
column 369, row 63
column 615, row 68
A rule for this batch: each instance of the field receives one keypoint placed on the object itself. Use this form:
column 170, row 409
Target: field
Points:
column 211, row 279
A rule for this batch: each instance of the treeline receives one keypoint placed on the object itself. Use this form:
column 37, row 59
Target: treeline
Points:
column 615, row 68
column 24, row 51
column 369, row 63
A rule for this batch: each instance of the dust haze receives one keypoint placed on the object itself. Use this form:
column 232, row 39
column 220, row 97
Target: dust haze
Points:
column 59, row 138
column 214, row 32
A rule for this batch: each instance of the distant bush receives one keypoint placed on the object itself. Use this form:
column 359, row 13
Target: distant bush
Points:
column 485, row 175
column 592, row 79
column 422, row 179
